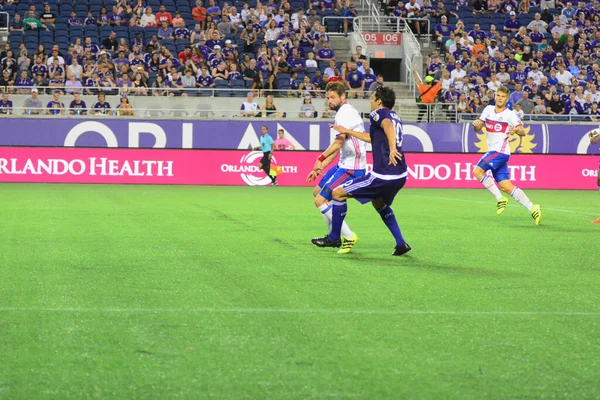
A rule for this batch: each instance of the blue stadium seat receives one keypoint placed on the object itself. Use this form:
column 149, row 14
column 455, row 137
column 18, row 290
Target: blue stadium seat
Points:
column 90, row 30
column 15, row 36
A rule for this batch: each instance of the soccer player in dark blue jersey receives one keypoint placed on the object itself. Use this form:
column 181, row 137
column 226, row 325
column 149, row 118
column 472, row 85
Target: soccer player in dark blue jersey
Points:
column 379, row 187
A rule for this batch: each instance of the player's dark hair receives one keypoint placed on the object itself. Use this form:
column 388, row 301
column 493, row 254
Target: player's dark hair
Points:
column 386, row 95
column 337, row 87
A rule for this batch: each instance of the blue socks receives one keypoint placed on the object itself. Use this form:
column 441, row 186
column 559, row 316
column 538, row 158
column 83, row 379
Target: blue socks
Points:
column 338, row 211
column 389, row 219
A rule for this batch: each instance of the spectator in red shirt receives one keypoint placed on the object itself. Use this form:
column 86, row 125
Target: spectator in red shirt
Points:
column 163, row 16
column 199, row 14
column 185, row 55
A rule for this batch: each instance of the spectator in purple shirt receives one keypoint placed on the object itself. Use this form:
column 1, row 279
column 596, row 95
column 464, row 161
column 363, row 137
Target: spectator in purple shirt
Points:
column 325, row 53
column 89, row 20
column 6, row 106
column 165, row 31
column 117, row 18
column 443, row 29
column 23, row 83
column 512, row 24
column 478, row 33
column 74, row 21
column 536, row 36
column 517, row 95
column 355, row 80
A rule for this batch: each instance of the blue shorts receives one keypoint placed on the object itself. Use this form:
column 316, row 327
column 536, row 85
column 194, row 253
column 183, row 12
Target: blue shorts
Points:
column 497, row 163
column 336, row 177
column 369, row 188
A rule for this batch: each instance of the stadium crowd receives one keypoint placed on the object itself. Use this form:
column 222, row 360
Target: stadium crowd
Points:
column 546, row 52
column 179, row 48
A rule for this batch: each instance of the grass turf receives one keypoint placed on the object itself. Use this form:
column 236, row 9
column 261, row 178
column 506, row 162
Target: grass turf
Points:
column 216, row 292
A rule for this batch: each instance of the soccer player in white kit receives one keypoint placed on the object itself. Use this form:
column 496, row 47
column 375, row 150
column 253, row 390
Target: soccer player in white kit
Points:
column 352, row 164
column 500, row 122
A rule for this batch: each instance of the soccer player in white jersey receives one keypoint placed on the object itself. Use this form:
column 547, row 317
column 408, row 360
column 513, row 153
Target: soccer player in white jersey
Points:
column 352, row 164
column 500, row 122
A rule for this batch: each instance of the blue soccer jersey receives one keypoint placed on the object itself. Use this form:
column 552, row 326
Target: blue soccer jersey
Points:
column 379, row 142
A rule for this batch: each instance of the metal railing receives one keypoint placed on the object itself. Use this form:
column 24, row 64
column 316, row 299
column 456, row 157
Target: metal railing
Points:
column 360, row 40
column 407, row 110
column 4, row 16
column 170, row 92
column 341, row 27
column 539, row 118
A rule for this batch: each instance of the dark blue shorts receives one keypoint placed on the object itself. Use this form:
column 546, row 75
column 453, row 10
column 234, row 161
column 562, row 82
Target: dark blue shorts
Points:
column 337, row 177
column 369, row 188
column 497, row 163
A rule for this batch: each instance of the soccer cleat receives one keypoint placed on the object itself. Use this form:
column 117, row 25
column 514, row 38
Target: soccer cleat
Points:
column 502, row 205
column 536, row 214
column 596, row 221
column 400, row 250
column 326, row 242
column 348, row 244
column 315, row 240
column 274, row 183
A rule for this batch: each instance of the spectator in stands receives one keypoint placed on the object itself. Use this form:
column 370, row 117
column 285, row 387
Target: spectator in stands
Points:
column 325, row 53
column 124, row 108
column 32, row 104
column 225, row 27
column 159, row 88
column 163, row 16
column 199, row 14
column 102, row 107
column 89, row 19
column 55, row 106
column 564, row 77
column 32, row 23
column 307, row 110
column 249, row 108
column 512, row 24
column 555, row 106
column 48, row 18
column 17, row 24
column 148, row 19
column 117, row 18
column 378, row 83
column 527, row 105
column 428, row 93
column 73, row 85
column 443, row 29
column 355, row 81
column 6, row 106
column 269, row 109
column 351, row 13
column 110, row 43
column 77, row 106
column 480, row 7
column 165, row 31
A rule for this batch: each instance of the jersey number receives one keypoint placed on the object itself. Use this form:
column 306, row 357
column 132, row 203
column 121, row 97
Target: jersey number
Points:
column 398, row 130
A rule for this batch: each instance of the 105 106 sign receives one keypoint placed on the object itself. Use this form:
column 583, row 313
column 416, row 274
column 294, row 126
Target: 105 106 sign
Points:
column 383, row 38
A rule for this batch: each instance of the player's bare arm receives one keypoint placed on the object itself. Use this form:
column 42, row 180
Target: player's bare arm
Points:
column 478, row 125
column 365, row 137
column 517, row 130
column 390, row 134
column 326, row 157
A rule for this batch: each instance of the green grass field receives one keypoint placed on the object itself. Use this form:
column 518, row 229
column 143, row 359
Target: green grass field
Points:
column 148, row 292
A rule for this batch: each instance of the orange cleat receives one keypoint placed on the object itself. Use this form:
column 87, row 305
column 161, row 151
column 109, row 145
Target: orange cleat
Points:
column 596, row 221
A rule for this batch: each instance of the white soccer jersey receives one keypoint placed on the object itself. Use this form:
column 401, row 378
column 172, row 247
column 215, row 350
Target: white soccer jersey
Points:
column 497, row 126
column 353, row 154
